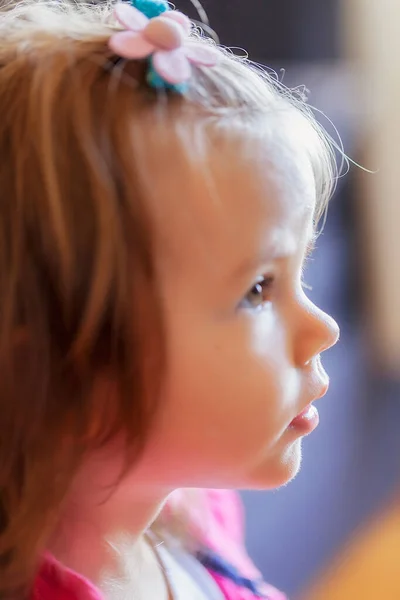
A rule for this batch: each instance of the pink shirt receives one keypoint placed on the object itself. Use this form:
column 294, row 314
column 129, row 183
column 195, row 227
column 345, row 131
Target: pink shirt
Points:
column 232, row 570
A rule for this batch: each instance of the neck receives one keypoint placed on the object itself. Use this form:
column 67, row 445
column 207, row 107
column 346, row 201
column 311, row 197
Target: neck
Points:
column 101, row 531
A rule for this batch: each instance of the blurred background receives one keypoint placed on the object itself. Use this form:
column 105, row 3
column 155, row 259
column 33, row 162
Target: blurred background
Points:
column 319, row 537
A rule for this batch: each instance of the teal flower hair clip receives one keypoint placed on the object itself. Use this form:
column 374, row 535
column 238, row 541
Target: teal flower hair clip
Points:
column 152, row 31
column 150, row 8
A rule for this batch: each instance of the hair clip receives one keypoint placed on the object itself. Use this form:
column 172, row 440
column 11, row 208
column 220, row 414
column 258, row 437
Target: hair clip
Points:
column 164, row 39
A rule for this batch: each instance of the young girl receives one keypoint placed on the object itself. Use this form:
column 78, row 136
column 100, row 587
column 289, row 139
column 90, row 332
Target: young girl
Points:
column 158, row 201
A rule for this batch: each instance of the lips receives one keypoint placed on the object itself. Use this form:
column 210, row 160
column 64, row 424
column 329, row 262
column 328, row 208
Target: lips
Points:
column 305, row 413
column 306, row 421
column 319, row 384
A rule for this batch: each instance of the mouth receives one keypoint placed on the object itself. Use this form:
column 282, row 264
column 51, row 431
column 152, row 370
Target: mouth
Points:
column 306, row 421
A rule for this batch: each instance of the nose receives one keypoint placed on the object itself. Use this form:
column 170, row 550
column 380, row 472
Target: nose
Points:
column 317, row 331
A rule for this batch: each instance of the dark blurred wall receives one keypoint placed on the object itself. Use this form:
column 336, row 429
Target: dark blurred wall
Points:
column 276, row 30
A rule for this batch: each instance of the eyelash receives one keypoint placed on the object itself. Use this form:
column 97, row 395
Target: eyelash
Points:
column 262, row 288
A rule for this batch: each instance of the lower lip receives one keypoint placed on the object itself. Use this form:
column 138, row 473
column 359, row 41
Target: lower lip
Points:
column 306, row 421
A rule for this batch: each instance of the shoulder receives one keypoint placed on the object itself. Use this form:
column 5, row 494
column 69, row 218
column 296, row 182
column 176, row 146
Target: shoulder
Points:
column 54, row 582
column 223, row 533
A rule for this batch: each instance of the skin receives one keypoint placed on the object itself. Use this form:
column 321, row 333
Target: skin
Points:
column 243, row 346
column 241, row 364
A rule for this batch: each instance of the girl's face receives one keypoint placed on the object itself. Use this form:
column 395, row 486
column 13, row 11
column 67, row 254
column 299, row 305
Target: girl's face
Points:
column 243, row 339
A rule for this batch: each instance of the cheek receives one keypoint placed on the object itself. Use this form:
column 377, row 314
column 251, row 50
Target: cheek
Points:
column 226, row 389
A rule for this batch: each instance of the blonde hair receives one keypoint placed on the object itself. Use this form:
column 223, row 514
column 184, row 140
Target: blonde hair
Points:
column 77, row 277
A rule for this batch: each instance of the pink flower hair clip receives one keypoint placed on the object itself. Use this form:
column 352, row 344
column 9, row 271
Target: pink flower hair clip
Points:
column 165, row 40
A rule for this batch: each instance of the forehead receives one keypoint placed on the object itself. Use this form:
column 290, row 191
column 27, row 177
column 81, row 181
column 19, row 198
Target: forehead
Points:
column 237, row 196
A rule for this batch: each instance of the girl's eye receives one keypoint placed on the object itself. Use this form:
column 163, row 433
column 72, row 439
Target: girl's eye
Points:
column 260, row 293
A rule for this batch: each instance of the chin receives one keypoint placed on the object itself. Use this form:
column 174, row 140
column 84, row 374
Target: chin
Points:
column 278, row 470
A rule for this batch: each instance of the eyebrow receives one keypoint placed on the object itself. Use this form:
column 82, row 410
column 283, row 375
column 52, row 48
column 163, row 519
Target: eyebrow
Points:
column 251, row 264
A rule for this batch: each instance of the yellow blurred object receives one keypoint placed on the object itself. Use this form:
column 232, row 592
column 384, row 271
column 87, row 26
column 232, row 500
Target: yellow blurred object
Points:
column 368, row 568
